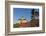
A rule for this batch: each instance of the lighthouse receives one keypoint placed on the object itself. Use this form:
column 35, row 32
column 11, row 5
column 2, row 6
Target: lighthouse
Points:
column 35, row 18
column 35, row 14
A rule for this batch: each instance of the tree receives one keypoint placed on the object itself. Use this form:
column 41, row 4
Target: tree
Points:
column 16, row 25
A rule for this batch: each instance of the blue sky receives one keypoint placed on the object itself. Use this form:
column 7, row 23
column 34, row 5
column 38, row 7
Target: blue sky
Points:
column 18, row 12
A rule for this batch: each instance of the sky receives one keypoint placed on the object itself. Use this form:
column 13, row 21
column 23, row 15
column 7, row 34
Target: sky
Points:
column 19, row 12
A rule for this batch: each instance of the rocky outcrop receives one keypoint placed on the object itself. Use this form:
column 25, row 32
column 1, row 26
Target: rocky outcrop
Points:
column 32, row 23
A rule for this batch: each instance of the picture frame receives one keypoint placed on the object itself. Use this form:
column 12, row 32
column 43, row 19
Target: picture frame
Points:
column 9, row 5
